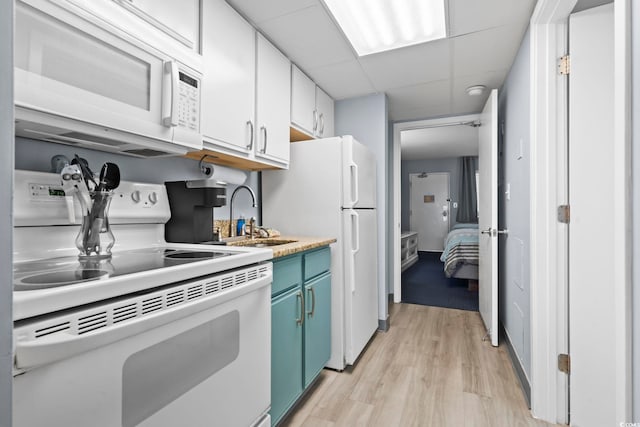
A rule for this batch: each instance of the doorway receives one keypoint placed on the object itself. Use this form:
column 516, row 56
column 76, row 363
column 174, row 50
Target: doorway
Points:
column 430, row 157
column 429, row 209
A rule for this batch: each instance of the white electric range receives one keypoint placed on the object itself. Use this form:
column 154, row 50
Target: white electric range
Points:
column 160, row 334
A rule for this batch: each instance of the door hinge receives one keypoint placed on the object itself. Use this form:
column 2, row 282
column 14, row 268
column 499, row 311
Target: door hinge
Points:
column 564, row 363
column 564, row 214
column 564, row 65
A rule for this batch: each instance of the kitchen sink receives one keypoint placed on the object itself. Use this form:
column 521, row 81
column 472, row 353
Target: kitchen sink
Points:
column 261, row 243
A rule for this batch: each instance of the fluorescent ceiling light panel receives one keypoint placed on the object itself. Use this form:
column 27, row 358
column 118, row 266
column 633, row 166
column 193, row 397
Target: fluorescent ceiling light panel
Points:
column 378, row 25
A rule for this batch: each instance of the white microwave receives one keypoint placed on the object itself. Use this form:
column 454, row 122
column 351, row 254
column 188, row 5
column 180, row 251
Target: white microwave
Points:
column 80, row 80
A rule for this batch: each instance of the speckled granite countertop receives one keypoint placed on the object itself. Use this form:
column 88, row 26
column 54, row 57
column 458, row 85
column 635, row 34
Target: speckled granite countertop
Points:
column 290, row 245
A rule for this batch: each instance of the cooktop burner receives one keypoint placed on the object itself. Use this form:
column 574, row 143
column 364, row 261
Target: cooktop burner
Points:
column 63, row 271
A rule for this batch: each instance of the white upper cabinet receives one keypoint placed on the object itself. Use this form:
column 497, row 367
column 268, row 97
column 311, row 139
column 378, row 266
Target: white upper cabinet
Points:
column 246, row 93
column 180, row 20
column 311, row 108
column 324, row 106
column 273, row 98
column 303, row 102
column 228, row 88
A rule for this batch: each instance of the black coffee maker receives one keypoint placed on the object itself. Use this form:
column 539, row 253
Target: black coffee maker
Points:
column 192, row 204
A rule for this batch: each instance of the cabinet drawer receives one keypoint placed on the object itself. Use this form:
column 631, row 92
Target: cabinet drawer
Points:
column 317, row 262
column 287, row 273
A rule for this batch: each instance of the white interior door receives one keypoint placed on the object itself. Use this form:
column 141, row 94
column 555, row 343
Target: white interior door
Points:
column 592, row 244
column 488, row 216
column 360, row 279
column 429, row 209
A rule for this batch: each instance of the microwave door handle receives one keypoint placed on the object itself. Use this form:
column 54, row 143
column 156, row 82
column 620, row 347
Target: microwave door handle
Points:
column 170, row 93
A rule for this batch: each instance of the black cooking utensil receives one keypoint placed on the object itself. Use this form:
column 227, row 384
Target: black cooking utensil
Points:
column 86, row 170
column 109, row 177
column 109, row 180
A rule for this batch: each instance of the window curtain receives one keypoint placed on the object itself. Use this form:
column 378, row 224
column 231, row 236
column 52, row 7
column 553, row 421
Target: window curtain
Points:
column 467, row 205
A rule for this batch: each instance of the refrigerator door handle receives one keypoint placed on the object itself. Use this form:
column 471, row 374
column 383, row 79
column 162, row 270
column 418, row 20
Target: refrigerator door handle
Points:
column 355, row 232
column 354, row 182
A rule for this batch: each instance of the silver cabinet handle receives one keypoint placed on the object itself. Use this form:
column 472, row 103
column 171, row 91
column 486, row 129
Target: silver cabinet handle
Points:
column 250, row 144
column 300, row 297
column 321, row 124
column 264, row 132
column 315, row 120
column 313, row 302
column 488, row 231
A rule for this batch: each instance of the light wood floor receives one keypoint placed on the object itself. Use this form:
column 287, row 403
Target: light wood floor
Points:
column 430, row 369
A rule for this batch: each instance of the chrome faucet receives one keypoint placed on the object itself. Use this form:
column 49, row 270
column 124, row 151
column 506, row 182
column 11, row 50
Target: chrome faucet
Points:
column 253, row 197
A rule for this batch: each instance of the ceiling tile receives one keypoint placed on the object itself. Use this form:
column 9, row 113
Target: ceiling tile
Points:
column 409, row 66
column 487, row 50
column 343, row 80
column 309, row 38
column 463, row 103
column 259, row 11
column 420, row 101
column 470, row 16
column 439, row 142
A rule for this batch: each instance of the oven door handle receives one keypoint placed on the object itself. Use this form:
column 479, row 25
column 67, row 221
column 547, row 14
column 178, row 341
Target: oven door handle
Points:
column 42, row 351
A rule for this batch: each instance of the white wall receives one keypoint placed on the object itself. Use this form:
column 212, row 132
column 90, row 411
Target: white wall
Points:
column 366, row 118
column 514, row 213
column 6, row 190
column 36, row 155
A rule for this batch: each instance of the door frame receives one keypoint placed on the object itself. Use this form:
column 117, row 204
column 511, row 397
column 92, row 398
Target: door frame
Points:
column 448, row 175
column 549, row 303
column 396, row 272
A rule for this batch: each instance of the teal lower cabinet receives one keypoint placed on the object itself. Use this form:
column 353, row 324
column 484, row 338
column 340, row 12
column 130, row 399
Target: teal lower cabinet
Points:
column 317, row 327
column 300, row 325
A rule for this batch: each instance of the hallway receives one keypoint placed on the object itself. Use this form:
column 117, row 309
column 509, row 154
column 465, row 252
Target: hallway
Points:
column 430, row 369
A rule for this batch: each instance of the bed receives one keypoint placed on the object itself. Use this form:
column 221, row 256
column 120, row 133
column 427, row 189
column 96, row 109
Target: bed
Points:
column 460, row 255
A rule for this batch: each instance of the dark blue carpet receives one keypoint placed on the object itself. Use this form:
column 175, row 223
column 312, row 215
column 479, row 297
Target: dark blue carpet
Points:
column 425, row 283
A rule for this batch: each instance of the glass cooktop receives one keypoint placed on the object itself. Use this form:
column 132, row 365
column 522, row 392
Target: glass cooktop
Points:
column 63, row 271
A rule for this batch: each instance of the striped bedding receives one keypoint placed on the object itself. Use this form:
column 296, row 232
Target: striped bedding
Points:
column 460, row 247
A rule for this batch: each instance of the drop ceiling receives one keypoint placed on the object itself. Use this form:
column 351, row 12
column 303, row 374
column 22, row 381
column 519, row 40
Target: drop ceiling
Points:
column 439, row 142
column 421, row 81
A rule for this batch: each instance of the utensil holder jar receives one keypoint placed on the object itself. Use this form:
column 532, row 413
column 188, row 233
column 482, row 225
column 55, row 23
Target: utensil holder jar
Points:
column 95, row 239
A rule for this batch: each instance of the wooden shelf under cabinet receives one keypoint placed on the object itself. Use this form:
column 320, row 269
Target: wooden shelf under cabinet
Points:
column 228, row 160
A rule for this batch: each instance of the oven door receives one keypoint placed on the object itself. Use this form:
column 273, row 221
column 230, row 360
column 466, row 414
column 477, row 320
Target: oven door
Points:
column 203, row 362
column 75, row 66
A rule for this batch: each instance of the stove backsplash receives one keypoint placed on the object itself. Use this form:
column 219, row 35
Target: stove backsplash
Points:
column 36, row 155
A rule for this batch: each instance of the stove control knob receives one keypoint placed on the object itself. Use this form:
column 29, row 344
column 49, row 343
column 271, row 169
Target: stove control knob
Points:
column 135, row 196
column 153, row 198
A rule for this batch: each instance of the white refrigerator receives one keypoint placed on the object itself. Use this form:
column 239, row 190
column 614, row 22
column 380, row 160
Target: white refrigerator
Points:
column 330, row 191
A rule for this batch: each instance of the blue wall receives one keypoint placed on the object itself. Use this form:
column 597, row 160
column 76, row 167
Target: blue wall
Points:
column 514, row 215
column 366, row 118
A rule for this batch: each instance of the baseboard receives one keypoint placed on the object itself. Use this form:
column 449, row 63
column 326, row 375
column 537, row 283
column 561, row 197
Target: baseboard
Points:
column 515, row 362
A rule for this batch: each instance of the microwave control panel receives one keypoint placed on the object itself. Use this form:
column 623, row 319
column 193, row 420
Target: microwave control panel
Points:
column 189, row 102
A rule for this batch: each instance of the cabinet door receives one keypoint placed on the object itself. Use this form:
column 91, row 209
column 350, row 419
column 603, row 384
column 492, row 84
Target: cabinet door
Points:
column 180, row 20
column 228, row 87
column 273, row 102
column 324, row 104
column 287, row 312
column 303, row 101
column 317, row 326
